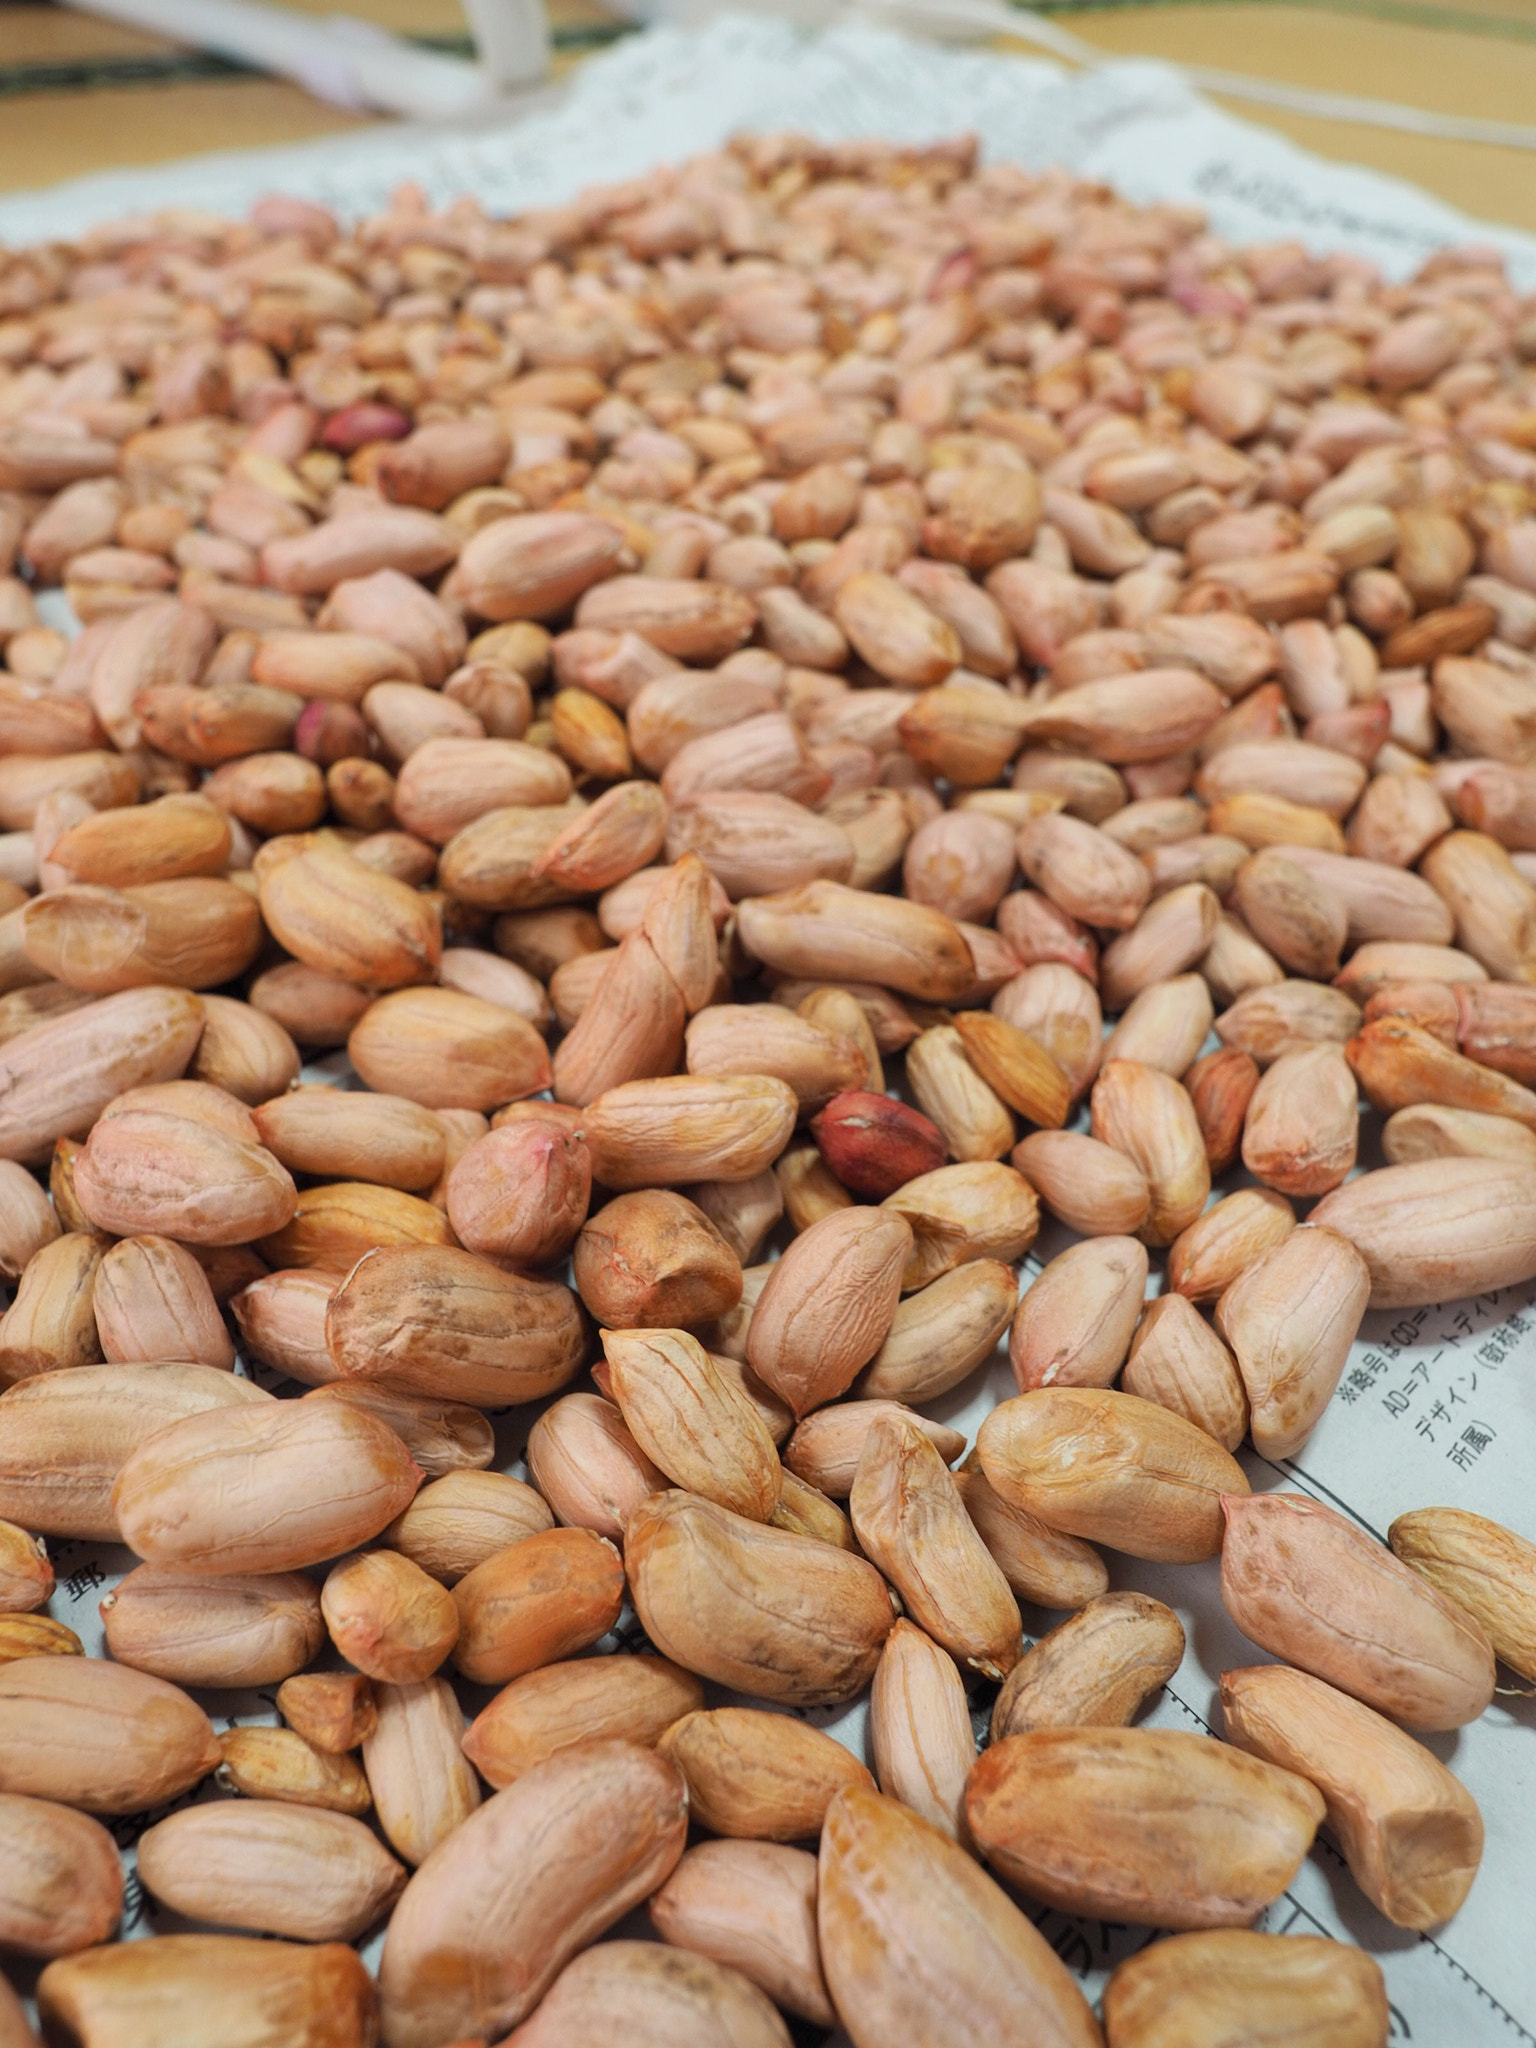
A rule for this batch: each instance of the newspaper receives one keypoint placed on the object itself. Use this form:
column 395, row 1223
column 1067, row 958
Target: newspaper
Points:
column 1437, row 1406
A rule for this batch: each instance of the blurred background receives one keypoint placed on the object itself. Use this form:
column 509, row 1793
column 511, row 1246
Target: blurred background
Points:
column 81, row 94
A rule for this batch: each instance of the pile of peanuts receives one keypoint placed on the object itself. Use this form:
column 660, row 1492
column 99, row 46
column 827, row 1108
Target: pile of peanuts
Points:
column 708, row 697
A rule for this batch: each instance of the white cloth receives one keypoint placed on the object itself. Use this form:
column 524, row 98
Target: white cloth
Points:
column 661, row 95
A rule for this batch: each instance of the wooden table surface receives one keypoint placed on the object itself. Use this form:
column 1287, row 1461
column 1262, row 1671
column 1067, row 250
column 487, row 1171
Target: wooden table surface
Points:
column 81, row 95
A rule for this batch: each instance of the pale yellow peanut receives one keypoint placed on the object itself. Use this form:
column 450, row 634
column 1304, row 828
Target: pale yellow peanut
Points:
column 743, row 1212
column 1431, row 1130
column 1039, row 1562
column 1018, row 1067
column 826, row 930
column 805, row 1510
column 1494, row 907
column 691, row 1421
column 27, row 1221
column 447, row 1050
column 808, row 1189
column 243, row 1051
column 26, row 1576
column 1484, row 1568
column 36, row 1635
column 877, row 826
column 1165, row 1025
column 336, row 915
column 457, row 1521
column 1236, row 962
column 839, row 1011
column 1059, row 1010
column 441, row 1436
column 342, row 1136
